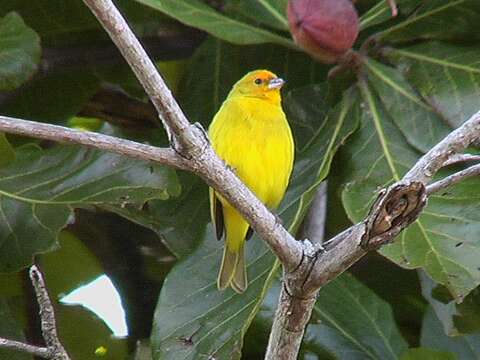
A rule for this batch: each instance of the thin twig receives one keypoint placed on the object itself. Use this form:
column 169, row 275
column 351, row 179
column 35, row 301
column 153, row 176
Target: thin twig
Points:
column 453, row 179
column 94, row 140
column 460, row 158
column 452, row 144
column 54, row 349
column 19, row 346
column 47, row 316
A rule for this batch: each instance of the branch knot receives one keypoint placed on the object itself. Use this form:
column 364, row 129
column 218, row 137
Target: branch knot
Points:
column 395, row 208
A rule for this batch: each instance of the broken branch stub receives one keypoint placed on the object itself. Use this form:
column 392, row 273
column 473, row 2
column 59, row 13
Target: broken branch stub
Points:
column 395, row 208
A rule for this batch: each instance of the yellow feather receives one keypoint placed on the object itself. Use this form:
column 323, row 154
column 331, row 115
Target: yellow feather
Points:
column 251, row 134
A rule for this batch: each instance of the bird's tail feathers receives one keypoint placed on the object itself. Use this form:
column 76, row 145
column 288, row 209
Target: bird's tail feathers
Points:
column 233, row 270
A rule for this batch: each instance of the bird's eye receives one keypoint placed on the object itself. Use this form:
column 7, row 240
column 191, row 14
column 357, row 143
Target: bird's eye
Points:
column 258, row 81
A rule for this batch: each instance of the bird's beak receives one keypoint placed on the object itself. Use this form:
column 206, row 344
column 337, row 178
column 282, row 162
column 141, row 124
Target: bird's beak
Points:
column 276, row 83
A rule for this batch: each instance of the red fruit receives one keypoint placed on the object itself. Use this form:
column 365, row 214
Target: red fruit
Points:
column 326, row 29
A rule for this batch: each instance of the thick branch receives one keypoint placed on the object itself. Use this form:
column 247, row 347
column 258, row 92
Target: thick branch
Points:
column 453, row 179
column 293, row 313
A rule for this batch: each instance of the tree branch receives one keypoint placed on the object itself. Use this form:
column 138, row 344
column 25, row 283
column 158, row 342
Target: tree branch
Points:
column 19, row 346
column 94, row 140
column 54, row 349
column 459, row 158
column 438, row 156
column 453, row 179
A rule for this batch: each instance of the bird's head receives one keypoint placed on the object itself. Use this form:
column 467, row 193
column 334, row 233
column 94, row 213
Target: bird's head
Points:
column 259, row 83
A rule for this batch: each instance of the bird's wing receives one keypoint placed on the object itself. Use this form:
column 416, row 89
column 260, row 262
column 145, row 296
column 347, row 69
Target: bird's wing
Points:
column 216, row 212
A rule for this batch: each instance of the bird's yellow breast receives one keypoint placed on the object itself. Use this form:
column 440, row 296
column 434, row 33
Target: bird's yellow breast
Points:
column 252, row 136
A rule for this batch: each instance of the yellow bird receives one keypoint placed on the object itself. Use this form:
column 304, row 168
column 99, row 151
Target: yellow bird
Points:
column 251, row 134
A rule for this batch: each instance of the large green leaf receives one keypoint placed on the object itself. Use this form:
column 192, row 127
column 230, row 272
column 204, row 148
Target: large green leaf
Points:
column 447, row 77
column 419, row 122
column 39, row 190
column 465, row 347
column 456, row 318
column 19, row 51
column 198, row 14
column 72, row 258
column 10, row 329
column 444, row 240
column 349, row 321
column 354, row 323
column 438, row 19
column 83, row 334
column 217, row 323
column 269, row 12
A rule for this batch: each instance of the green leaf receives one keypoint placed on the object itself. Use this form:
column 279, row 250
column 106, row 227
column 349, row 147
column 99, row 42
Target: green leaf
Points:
column 269, row 12
column 379, row 156
column 39, row 190
column 427, row 354
column 446, row 76
column 438, row 19
column 354, row 323
column 198, row 14
column 72, row 258
column 456, row 318
column 418, row 121
column 219, row 321
column 7, row 154
column 10, row 329
column 82, row 333
column 465, row 347
column 19, row 51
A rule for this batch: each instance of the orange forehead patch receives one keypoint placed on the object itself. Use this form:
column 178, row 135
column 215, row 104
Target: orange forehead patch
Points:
column 262, row 74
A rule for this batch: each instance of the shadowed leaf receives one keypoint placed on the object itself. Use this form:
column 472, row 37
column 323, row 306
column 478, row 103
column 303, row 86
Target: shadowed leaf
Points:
column 19, row 51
